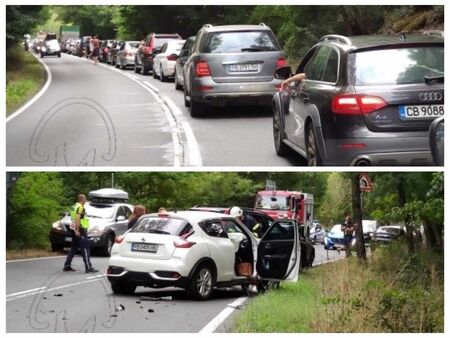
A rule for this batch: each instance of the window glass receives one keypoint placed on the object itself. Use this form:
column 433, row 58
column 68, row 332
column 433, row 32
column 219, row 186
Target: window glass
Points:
column 398, row 66
column 214, row 229
column 99, row 210
column 316, row 70
column 164, row 226
column 120, row 212
column 237, row 42
column 231, row 227
column 273, row 202
column 281, row 231
column 331, row 70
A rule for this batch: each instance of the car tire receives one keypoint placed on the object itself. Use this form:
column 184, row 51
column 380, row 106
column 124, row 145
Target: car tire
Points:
column 197, row 109
column 121, row 288
column 312, row 151
column 59, row 55
column 106, row 249
column 136, row 68
column 154, row 73
column 177, row 85
column 280, row 147
column 187, row 103
column 162, row 77
column 201, row 284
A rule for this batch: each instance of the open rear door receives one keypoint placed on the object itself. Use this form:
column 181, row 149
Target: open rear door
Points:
column 279, row 252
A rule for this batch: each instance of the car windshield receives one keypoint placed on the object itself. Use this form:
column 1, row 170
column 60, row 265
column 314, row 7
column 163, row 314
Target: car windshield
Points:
column 99, row 210
column 273, row 202
column 175, row 47
column 389, row 230
column 336, row 228
column 164, row 226
column 398, row 66
column 52, row 43
column 237, row 42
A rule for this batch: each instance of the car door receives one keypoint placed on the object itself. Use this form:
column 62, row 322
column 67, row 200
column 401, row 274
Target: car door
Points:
column 221, row 249
column 121, row 219
column 278, row 253
column 121, row 52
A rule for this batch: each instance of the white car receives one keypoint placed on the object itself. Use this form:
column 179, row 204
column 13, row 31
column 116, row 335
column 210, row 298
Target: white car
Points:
column 317, row 233
column 200, row 250
column 164, row 62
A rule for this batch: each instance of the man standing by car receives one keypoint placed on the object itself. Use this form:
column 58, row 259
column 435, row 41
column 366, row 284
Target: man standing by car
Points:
column 248, row 220
column 348, row 229
column 80, row 240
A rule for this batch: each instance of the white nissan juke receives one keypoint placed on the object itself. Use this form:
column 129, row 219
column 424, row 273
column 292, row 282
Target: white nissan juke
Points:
column 199, row 251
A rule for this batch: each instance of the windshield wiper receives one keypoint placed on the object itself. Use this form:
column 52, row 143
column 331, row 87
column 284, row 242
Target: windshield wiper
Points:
column 434, row 79
column 152, row 231
column 254, row 49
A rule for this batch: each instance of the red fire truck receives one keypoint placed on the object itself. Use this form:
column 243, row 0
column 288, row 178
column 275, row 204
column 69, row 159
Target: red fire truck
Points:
column 280, row 204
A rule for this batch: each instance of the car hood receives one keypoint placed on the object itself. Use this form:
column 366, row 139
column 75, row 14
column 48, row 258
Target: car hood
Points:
column 335, row 235
column 99, row 222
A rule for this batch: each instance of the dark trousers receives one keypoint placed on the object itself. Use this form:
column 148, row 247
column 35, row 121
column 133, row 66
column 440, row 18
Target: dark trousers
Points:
column 81, row 243
column 348, row 245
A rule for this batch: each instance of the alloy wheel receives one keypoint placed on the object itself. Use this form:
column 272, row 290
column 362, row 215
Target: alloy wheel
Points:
column 204, row 282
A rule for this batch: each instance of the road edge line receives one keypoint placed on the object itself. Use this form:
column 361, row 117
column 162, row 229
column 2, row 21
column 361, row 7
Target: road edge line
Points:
column 222, row 316
column 33, row 259
column 35, row 97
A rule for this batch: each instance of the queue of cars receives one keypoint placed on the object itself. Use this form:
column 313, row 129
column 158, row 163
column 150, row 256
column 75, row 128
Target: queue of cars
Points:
column 366, row 100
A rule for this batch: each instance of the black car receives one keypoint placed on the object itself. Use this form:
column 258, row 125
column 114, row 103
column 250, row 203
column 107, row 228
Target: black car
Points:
column 185, row 52
column 366, row 100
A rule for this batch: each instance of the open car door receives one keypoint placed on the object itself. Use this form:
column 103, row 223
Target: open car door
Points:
column 278, row 255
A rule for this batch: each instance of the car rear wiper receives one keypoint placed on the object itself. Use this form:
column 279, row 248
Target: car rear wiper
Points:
column 254, row 49
column 434, row 79
column 153, row 231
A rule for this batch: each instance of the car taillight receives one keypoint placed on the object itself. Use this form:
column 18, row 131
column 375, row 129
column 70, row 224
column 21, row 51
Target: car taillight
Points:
column 281, row 62
column 172, row 57
column 356, row 104
column 119, row 239
column 182, row 242
column 202, row 69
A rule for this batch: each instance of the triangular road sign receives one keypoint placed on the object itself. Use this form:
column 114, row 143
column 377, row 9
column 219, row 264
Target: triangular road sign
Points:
column 364, row 183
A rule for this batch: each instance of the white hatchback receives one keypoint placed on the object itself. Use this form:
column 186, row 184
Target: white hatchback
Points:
column 198, row 251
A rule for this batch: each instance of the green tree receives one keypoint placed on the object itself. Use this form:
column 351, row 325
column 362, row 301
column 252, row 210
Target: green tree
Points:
column 34, row 202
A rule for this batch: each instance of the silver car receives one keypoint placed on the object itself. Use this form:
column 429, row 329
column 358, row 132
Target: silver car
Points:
column 125, row 54
column 232, row 64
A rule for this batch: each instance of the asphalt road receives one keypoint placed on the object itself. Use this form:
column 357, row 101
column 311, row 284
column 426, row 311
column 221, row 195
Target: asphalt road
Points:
column 42, row 298
column 102, row 116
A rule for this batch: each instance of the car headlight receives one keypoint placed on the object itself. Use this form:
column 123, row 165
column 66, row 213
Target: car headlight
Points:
column 43, row 49
column 96, row 231
column 57, row 225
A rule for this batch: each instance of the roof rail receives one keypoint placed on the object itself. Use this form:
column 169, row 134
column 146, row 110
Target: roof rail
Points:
column 262, row 24
column 334, row 37
column 208, row 25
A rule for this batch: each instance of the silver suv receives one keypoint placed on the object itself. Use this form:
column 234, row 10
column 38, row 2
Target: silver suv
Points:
column 108, row 215
column 232, row 64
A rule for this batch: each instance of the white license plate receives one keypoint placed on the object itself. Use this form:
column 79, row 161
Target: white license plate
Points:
column 68, row 239
column 146, row 247
column 251, row 67
column 421, row 112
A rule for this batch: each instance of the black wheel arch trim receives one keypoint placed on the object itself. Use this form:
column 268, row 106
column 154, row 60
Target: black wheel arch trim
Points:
column 201, row 261
column 277, row 104
column 314, row 118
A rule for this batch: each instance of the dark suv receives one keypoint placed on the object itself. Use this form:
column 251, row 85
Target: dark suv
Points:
column 366, row 100
column 143, row 61
column 232, row 64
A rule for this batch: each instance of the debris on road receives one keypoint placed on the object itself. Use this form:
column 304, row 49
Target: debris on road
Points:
column 114, row 315
column 58, row 295
column 138, row 302
column 120, row 308
column 156, row 298
column 151, row 310
column 44, row 297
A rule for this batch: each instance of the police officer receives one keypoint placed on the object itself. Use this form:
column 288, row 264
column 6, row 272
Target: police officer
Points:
column 80, row 239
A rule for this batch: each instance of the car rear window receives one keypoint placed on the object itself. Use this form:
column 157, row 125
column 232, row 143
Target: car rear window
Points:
column 164, row 226
column 159, row 41
column 398, row 66
column 237, row 42
column 133, row 44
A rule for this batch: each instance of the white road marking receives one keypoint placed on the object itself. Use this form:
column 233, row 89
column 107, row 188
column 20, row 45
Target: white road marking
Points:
column 26, row 291
column 37, row 96
column 195, row 159
column 33, row 292
column 220, row 318
column 152, row 87
column 32, row 259
column 96, row 276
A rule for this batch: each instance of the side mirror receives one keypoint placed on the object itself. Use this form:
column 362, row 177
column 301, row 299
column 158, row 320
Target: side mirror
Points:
column 437, row 141
column 283, row 73
column 120, row 218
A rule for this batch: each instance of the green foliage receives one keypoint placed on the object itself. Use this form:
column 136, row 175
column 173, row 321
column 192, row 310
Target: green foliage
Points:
column 337, row 199
column 33, row 204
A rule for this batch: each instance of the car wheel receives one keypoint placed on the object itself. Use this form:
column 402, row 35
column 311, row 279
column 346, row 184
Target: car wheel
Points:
column 312, row 151
column 197, row 108
column 280, row 147
column 177, row 85
column 162, row 77
column 187, row 103
column 106, row 250
column 202, row 283
column 121, row 288
column 154, row 73
column 59, row 55
column 136, row 69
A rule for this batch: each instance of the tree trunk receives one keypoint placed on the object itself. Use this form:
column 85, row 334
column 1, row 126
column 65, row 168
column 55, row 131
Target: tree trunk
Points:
column 357, row 217
column 402, row 202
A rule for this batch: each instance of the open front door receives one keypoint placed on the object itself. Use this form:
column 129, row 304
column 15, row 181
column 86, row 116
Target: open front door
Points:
column 279, row 252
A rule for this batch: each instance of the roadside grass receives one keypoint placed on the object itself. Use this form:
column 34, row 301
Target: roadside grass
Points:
column 392, row 292
column 24, row 77
column 29, row 253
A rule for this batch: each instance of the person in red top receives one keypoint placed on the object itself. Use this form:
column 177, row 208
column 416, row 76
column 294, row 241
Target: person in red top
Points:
column 95, row 51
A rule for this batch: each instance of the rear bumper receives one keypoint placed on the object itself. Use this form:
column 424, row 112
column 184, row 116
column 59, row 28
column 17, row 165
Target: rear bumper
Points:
column 147, row 279
column 64, row 239
column 385, row 150
column 253, row 93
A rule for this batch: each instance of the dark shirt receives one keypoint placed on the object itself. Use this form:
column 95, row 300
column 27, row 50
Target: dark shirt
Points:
column 132, row 222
